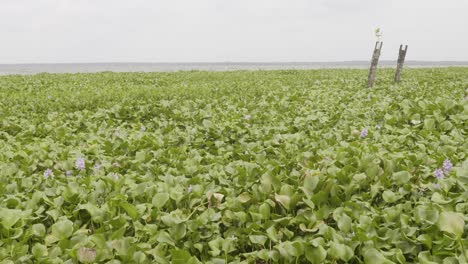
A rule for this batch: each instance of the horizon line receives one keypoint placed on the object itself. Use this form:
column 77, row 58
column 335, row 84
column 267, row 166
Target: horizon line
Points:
column 234, row 62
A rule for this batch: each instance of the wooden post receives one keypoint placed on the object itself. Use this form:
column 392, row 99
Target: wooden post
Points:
column 401, row 60
column 374, row 62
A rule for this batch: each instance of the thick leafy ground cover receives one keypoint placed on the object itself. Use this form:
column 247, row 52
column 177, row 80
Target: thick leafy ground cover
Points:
column 234, row 167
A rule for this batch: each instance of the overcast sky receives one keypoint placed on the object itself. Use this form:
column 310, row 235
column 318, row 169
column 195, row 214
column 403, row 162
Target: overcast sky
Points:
column 33, row 31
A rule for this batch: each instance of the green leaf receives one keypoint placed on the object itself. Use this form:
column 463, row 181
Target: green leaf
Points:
column 264, row 210
column 174, row 218
column 372, row 256
column 316, row 255
column 160, row 199
column 140, row 156
column 272, row 234
column 284, row 200
column 164, row 237
column 401, row 177
column 426, row 214
column 179, row 256
column 50, row 239
column 207, row 123
column 438, row 198
column 310, row 183
column 426, row 239
column 343, row 221
column 38, row 230
column 340, row 251
column 446, row 125
column 258, row 239
column 425, row 257
column 244, row 198
column 451, row 260
column 139, row 257
column 63, row 229
column 390, row 197
column 215, row 245
column 452, row 223
column 39, row 250
column 178, row 231
column 130, row 209
column 9, row 217
column 429, row 124
column 97, row 214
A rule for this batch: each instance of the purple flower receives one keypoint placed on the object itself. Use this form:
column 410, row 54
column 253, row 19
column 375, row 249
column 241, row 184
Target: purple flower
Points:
column 439, row 174
column 247, row 117
column 190, row 188
column 447, row 166
column 143, row 128
column 48, row 174
column 80, row 163
column 68, row 173
column 437, row 186
column 364, row 132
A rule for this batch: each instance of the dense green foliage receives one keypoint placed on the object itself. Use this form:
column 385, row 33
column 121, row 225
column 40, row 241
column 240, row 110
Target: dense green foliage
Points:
column 251, row 167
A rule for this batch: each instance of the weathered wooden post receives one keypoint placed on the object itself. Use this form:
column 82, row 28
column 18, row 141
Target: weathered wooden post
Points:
column 374, row 62
column 401, row 60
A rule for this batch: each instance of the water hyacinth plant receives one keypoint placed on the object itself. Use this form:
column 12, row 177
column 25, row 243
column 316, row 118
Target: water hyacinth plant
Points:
column 447, row 166
column 48, row 174
column 80, row 164
column 286, row 166
column 439, row 174
column 364, row 133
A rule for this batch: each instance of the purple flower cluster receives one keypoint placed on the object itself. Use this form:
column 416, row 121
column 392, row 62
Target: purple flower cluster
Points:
column 364, row 133
column 447, row 166
column 48, row 174
column 439, row 174
column 80, row 164
column 247, row 117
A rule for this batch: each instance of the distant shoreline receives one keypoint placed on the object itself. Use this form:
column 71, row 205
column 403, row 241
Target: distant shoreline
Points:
column 34, row 68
